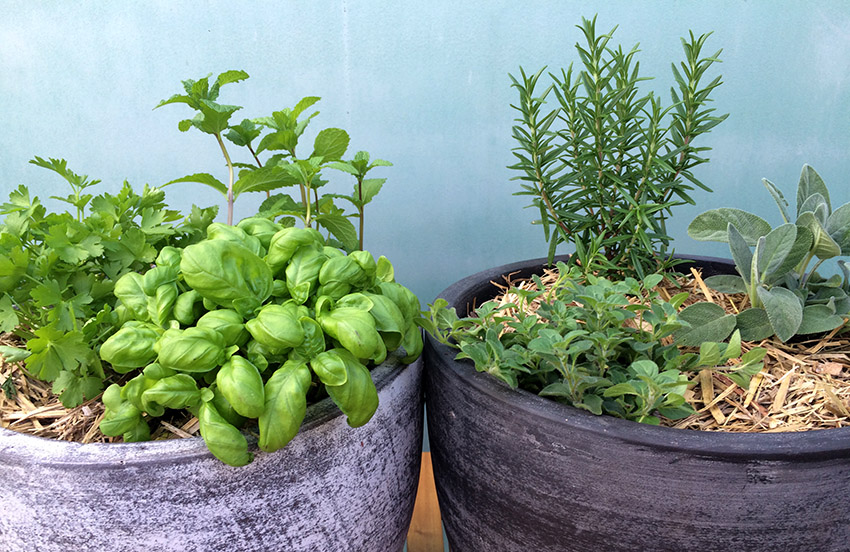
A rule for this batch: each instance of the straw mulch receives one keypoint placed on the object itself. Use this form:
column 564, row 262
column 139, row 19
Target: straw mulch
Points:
column 32, row 408
column 804, row 384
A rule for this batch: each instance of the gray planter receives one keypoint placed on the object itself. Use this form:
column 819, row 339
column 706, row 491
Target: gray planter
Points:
column 333, row 488
column 517, row 472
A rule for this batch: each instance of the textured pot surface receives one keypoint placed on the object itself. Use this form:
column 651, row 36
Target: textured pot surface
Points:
column 333, row 488
column 517, row 472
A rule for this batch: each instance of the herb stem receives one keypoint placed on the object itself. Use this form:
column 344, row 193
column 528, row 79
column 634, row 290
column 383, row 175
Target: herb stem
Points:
column 808, row 275
column 360, row 207
column 257, row 159
column 801, row 268
column 316, row 196
column 305, row 203
column 532, row 127
column 230, row 198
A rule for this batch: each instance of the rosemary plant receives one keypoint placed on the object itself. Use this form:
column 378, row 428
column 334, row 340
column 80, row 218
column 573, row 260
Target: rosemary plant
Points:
column 607, row 165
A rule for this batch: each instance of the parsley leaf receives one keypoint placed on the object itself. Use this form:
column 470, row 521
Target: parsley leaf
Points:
column 54, row 351
column 8, row 315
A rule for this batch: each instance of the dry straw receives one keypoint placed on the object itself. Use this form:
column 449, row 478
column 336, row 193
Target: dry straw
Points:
column 804, row 385
column 33, row 408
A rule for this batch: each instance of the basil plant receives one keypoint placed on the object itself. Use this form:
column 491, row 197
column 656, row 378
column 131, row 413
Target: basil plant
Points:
column 250, row 324
column 787, row 295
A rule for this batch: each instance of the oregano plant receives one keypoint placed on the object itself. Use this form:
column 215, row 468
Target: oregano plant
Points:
column 606, row 166
column 594, row 343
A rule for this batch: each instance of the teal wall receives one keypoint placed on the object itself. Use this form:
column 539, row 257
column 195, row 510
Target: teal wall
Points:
column 423, row 84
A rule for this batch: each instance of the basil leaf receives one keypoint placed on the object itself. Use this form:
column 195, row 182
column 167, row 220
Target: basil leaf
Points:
column 277, row 327
column 241, row 384
column 357, row 397
column 228, row 274
column 286, row 405
column 223, row 440
column 130, row 347
column 191, row 350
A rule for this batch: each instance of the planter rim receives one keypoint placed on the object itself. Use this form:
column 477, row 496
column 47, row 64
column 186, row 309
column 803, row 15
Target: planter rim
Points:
column 819, row 444
column 15, row 447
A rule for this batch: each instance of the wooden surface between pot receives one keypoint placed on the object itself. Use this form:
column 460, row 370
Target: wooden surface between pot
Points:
column 426, row 529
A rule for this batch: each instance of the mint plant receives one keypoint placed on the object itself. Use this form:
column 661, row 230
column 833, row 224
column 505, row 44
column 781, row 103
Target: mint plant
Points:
column 787, row 295
column 280, row 133
column 608, row 164
column 249, row 324
column 594, row 343
column 58, row 271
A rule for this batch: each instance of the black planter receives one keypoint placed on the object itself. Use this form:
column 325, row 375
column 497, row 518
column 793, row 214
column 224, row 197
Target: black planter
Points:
column 517, row 472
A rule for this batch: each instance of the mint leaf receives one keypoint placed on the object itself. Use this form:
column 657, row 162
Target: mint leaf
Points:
column 341, row 228
column 330, row 144
column 214, row 117
column 231, row 76
column 202, row 178
column 177, row 98
column 304, row 104
column 368, row 190
column 344, row 166
column 264, row 179
column 280, row 140
column 244, row 133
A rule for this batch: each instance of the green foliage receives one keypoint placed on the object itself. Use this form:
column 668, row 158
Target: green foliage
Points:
column 225, row 321
column 787, row 295
column 58, row 274
column 257, row 320
column 606, row 167
column 280, row 135
column 594, row 344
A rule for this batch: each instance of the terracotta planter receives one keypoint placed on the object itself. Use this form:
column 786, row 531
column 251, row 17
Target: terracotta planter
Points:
column 333, row 488
column 517, row 472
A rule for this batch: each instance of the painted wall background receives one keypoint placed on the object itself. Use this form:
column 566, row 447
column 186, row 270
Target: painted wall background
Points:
column 422, row 84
